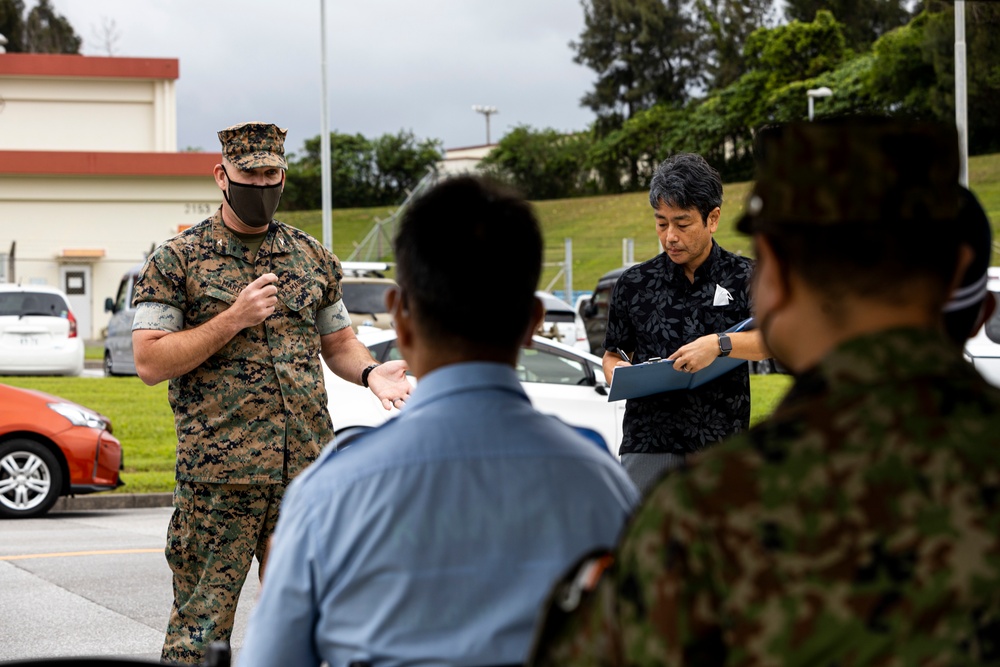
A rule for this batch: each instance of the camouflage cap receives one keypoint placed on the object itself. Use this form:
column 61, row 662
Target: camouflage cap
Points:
column 255, row 144
column 859, row 171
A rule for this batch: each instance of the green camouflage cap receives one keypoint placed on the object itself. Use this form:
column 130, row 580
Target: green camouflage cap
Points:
column 858, row 171
column 252, row 145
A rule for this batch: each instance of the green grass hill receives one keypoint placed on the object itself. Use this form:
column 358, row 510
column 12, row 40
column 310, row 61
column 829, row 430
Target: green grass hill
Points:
column 598, row 225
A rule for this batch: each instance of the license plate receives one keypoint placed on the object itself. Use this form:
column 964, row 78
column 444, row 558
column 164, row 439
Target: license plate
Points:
column 29, row 341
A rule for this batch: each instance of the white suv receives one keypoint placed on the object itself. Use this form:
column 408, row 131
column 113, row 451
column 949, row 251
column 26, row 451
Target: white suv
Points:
column 983, row 349
column 562, row 323
column 38, row 334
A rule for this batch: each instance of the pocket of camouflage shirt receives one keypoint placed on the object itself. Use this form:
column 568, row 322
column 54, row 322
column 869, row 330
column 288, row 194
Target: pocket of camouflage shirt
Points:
column 300, row 293
column 221, row 294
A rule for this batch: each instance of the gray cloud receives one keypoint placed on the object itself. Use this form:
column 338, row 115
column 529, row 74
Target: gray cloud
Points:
column 391, row 64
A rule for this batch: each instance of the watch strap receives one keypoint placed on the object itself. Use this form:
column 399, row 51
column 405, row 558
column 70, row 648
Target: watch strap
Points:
column 725, row 345
column 365, row 373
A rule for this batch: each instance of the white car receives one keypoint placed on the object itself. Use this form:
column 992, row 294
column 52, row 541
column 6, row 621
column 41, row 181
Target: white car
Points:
column 38, row 334
column 983, row 349
column 559, row 379
column 562, row 323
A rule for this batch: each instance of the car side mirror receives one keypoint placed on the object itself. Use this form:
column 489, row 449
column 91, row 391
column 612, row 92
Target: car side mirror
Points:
column 109, row 305
column 601, row 389
column 590, row 310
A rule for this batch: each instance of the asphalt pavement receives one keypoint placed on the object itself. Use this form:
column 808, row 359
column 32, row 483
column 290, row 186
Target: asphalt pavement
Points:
column 91, row 582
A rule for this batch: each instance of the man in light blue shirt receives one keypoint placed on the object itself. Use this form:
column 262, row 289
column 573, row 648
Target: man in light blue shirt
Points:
column 435, row 538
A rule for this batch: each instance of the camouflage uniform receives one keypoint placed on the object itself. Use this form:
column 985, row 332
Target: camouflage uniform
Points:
column 859, row 526
column 248, row 419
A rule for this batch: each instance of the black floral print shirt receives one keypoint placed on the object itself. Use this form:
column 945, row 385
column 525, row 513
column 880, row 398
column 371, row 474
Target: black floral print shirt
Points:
column 654, row 310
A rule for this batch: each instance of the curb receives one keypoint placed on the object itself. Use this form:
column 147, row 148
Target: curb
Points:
column 113, row 501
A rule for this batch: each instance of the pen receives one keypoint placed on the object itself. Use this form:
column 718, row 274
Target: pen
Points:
column 621, row 353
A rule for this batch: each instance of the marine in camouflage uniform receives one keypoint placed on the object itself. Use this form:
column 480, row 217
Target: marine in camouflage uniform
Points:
column 860, row 523
column 253, row 414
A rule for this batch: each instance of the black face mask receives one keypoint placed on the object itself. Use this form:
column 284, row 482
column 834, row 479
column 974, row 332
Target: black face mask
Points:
column 253, row 204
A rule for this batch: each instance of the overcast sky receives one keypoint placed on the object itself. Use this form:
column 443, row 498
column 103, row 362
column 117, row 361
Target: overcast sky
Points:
column 391, row 64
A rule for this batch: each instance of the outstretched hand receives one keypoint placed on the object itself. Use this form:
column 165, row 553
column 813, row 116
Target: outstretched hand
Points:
column 388, row 381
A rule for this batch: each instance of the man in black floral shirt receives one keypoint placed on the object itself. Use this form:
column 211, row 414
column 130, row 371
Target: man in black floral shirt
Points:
column 676, row 306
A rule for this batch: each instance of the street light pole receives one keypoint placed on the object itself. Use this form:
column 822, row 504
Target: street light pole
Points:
column 961, row 92
column 486, row 111
column 324, row 137
column 813, row 93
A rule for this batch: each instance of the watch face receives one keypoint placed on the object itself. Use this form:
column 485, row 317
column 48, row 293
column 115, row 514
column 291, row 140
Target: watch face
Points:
column 725, row 345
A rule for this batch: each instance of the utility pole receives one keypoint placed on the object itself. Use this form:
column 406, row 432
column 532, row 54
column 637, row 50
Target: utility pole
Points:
column 324, row 137
column 961, row 95
column 486, row 111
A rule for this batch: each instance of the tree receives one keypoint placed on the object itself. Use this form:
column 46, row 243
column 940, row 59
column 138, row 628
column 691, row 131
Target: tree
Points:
column 864, row 20
column 542, row 164
column 984, row 75
column 782, row 62
column 401, row 161
column 915, row 71
column 904, row 78
column 364, row 172
column 642, row 139
column 643, row 51
column 107, row 36
column 799, row 50
column 12, row 24
column 726, row 26
column 45, row 31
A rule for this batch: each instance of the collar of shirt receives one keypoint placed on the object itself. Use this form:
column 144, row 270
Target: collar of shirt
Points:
column 225, row 242
column 704, row 272
column 463, row 377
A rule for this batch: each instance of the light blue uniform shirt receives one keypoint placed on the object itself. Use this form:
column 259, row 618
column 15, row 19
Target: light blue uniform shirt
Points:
column 435, row 538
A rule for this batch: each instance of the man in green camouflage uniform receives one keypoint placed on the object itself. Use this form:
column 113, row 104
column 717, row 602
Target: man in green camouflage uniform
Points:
column 236, row 312
column 860, row 523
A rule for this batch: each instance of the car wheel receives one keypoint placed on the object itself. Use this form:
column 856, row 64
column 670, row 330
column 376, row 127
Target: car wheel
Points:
column 108, row 366
column 30, row 479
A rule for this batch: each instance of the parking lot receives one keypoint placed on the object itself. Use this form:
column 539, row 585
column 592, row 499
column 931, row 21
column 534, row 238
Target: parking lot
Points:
column 90, row 583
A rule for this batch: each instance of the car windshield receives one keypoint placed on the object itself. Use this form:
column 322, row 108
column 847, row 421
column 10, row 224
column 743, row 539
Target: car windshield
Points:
column 560, row 316
column 31, row 303
column 365, row 297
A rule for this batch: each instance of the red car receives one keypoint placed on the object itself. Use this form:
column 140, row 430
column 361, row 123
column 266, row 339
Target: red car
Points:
column 51, row 447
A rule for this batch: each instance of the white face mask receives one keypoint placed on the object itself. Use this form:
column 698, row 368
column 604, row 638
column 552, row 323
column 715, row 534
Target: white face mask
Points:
column 253, row 204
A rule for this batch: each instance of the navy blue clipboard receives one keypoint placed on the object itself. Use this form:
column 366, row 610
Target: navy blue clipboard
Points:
column 653, row 377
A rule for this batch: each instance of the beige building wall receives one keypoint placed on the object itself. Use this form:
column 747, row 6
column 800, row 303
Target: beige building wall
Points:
column 100, row 225
column 87, row 115
column 90, row 179
column 463, row 160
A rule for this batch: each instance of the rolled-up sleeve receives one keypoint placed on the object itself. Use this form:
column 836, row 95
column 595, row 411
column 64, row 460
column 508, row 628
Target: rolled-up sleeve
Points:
column 332, row 318
column 158, row 316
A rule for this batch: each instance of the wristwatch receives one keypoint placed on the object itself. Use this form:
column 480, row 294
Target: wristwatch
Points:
column 364, row 375
column 725, row 345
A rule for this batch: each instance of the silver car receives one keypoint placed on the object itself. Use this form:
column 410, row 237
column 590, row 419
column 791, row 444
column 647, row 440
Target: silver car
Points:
column 118, row 358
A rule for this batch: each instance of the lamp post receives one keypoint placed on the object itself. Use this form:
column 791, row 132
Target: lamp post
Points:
column 486, row 111
column 961, row 94
column 326, row 194
column 813, row 93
